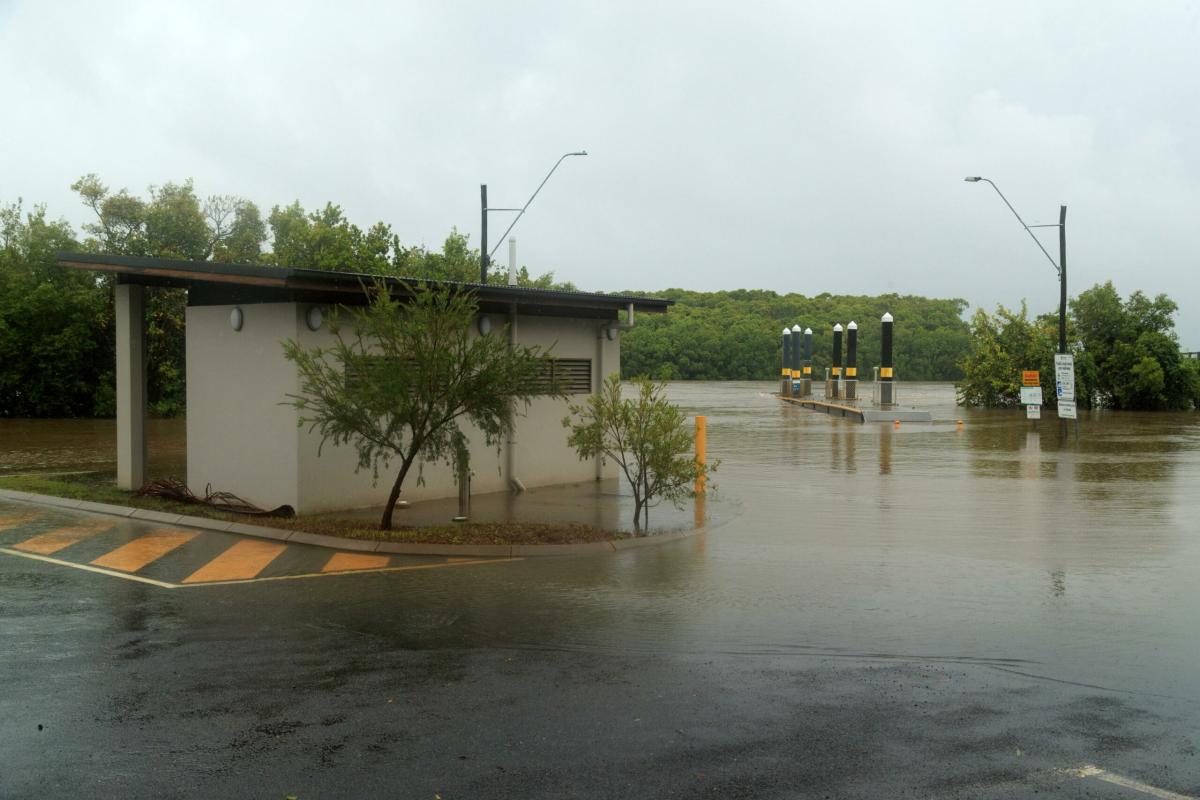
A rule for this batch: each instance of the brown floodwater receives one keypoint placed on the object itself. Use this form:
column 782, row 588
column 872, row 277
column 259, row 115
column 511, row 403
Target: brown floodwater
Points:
column 30, row 446
column 1070, row 553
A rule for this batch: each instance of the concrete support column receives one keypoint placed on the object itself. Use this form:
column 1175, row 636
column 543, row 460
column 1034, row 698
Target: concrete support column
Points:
column 131, row 385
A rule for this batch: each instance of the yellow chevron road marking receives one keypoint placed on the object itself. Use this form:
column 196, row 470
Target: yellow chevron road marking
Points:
column 13, row 520
column 243, row 561
column 344, row 562
column 51, row 542
column 345, row 573
column 132, row 556
column 130, row 576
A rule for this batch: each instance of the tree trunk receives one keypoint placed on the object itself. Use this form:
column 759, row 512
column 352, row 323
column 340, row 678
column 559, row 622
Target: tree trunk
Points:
column 386, row 523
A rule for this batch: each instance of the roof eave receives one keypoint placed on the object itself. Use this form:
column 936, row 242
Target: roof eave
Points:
column 170, row 272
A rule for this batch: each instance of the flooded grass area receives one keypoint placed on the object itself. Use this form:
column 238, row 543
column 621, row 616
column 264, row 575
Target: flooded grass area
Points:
column 30, row 446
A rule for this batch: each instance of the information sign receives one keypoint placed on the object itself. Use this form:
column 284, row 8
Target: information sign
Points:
column 1066, row 409
column 1064, row 376
column 1031, row 377
column 1033, row 412
column 1031, row 395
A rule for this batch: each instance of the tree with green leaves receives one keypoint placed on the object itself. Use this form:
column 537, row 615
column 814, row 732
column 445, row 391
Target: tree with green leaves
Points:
column 1002, row 345
column 405, row 374
column 1126, row 354
column 734, row 335
column 1130, row 355
column 171, row 223
column 56, row 324
column 647, row 436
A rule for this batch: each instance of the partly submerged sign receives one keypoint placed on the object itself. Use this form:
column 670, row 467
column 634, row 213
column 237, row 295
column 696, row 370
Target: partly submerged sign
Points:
column 1064, row 376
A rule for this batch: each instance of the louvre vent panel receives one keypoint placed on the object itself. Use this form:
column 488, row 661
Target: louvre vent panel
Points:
column 573, row 375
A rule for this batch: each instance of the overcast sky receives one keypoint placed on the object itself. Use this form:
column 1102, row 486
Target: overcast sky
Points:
column 809, row 147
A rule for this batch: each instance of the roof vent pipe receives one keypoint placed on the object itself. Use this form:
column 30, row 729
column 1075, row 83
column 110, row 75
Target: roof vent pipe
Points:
column 512, row 261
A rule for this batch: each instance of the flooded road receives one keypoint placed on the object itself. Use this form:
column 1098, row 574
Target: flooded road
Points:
column 1072, row 556
column 984, row 612
column 1004, row 543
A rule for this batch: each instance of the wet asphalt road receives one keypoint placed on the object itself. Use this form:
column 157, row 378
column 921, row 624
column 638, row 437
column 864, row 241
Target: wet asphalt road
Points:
column 917, row 615
column 116, row 689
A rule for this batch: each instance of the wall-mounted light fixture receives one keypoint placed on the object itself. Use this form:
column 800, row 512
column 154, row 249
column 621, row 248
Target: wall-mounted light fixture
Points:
column 485, row 325
column 236, row 318
column 314, row 318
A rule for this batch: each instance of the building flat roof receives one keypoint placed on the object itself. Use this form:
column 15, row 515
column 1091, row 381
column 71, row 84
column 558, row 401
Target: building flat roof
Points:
column 218, row 284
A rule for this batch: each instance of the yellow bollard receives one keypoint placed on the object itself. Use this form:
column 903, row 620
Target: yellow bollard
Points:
column 960, row 425
column 896, row 423
column 701, row 450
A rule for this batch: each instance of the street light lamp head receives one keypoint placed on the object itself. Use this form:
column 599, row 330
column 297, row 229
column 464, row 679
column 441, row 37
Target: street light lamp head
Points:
column 580, row 153
column 973, row 179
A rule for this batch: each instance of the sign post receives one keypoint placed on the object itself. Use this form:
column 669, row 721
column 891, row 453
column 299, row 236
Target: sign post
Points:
column 1031, row 393
column 1064, row 384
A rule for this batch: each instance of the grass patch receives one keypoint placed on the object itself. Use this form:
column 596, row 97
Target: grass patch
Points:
column 99, row 488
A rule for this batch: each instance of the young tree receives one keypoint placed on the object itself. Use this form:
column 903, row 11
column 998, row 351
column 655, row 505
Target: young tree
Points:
column 646, row 436
column 405, row 376
column 1002, row 346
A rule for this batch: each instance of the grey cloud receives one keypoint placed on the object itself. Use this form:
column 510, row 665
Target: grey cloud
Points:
column 794, row 146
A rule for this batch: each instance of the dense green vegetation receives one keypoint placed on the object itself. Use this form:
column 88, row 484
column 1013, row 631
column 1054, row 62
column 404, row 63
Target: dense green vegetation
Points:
column 1126, row 354
column 735, row 335
column 56, row 325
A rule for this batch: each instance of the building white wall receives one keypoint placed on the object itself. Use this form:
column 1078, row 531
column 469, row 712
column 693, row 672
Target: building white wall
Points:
column 241, row 439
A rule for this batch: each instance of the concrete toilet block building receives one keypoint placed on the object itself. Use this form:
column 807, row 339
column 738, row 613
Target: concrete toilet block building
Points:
column 244, row 438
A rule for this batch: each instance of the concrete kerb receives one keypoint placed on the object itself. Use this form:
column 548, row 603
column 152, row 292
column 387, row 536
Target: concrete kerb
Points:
column 362, row 545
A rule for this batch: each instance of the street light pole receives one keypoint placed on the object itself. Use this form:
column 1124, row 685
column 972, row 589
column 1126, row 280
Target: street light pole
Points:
column 485, row 256
column 1060, row 267
column 1062, row 279
column 483, row 253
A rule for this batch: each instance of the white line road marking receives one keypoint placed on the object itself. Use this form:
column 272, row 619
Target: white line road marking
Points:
column 1092, row 771
column 410, row 567
column 89, row 568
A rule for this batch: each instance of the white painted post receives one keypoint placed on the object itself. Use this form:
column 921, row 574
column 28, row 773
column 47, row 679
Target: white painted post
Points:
column 131, row 386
